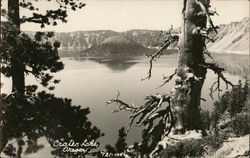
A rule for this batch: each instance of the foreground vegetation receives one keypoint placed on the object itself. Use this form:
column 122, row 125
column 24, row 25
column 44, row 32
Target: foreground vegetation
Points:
column 229, row 119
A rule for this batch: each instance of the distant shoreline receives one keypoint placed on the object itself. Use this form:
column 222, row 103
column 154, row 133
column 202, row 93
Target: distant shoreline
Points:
column 78, row 53
column 229, row 52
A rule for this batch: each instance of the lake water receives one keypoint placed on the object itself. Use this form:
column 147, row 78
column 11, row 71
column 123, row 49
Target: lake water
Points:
column 90, row 82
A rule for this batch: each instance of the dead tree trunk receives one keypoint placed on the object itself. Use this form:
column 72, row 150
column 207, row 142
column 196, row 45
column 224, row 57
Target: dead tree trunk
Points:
column 190, row 72
column 182, row 112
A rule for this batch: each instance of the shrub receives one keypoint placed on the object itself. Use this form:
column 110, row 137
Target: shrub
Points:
column 205, row 119
column 233, row 101
column 213, row 142
column 193, row 147
column 240, row 124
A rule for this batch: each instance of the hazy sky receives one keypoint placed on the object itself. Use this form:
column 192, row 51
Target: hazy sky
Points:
column 120, row 15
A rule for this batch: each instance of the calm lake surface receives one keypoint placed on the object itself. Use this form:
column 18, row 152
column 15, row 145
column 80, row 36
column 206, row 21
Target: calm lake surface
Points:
column 90, row 82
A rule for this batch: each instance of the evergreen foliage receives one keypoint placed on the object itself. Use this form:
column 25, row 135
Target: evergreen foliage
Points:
column 120, row 146
column 235, row 104
column 42, row 114
column 192, row 147
column 28, row 114
column 39, row 55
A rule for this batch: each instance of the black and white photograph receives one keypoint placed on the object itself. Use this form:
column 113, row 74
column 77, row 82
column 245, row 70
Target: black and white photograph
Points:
column 124, row 79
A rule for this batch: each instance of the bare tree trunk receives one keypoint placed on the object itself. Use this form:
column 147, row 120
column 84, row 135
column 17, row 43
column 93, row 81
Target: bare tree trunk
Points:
column 190, row 73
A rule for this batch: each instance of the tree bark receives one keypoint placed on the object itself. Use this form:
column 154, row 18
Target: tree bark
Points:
column 190, row 73
column 17, row 67
column 2, row 140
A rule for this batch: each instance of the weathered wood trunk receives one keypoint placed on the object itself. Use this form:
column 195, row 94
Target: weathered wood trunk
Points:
column 190, row 73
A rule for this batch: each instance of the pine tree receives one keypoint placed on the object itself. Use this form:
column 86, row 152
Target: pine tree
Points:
column 29, row 114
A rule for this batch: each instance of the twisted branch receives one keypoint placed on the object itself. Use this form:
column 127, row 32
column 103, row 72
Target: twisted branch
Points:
column 216, row 85
column 146, row 113
column 121, row 105
column 171, row 39
column 169, row 78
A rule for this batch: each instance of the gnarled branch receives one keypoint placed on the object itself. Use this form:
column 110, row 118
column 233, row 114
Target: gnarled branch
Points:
column 171, row 39
column 216, row 85
column 148, row 112
column 169, row 78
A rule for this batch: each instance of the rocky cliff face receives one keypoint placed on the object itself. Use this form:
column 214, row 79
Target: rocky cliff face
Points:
column 82, row 40
column 231, row 38
column 149, row 38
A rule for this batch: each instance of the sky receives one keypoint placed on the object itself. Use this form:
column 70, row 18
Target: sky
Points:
column 122, row 15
